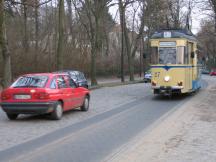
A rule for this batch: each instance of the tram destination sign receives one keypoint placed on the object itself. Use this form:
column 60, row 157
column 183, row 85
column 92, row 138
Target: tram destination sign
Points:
column 167, row 44
column 167, row 34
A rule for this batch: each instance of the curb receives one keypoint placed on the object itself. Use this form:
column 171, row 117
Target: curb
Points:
column 115, row 84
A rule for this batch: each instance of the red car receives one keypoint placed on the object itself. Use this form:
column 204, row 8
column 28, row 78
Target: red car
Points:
column 45, row 93
column 213, row 72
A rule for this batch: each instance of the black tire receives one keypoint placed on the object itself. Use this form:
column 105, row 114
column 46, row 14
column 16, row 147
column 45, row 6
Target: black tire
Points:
column 85, row 105
column 12, row 116
column 170, row 96
column 57, row 112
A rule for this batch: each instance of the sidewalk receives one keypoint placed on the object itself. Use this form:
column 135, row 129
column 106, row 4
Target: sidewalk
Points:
column 114, row 81
column 187, row 135
column 105, row 80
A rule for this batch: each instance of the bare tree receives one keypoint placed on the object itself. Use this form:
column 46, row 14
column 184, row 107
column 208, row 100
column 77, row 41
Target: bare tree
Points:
column 131, row 42
column 206, row 39
column 174, row 8
column 213, row 6
column 207, row 33
column 122, row 8
column 25, row 28
column 36, row 8
column 91, row 14
column 70, row 16
column 7, row 74
column 61, row 35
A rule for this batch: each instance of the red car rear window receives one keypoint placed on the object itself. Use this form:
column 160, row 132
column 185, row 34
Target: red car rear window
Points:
column 30, row 81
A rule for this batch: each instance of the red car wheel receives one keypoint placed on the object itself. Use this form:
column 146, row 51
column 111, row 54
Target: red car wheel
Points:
column 85, row 105
column 57, row 112
column 12, row 116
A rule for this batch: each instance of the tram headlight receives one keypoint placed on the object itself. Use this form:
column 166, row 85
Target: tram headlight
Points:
column 154, row 83
column 180, row 83
column 167, row 78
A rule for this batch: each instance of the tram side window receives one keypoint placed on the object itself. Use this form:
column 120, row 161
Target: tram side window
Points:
column 180, row 55
column 186, row 57
column 154, row 55
column 189, row 50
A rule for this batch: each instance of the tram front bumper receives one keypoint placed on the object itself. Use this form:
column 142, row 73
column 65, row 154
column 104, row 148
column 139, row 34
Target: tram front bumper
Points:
column 167, row 89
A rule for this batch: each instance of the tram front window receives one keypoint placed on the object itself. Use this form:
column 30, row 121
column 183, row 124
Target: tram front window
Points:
column 167, row 55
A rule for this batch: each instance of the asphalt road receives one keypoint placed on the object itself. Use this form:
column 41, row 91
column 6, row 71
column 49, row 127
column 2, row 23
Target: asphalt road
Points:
column 95, row 138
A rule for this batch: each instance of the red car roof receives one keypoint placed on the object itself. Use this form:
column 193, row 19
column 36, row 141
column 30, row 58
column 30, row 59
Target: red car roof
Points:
column 46, row 74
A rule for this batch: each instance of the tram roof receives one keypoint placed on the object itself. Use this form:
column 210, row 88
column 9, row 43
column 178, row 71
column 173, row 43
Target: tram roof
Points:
column 174, row 33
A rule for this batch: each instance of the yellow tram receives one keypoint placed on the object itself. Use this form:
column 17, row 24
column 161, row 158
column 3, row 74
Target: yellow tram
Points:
column 174, row 62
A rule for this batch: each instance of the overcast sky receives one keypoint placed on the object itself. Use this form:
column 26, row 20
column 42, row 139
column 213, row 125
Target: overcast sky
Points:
column 197, row 15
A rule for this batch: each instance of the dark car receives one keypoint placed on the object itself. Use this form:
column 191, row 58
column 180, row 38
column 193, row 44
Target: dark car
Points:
column 77, row 76
column 147, row 76
column 205, row 71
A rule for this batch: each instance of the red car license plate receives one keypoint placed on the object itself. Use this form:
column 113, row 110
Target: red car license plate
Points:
column 22, row 97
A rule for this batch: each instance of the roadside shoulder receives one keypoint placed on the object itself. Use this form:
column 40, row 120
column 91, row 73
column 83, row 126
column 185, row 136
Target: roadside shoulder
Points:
column 160, row 143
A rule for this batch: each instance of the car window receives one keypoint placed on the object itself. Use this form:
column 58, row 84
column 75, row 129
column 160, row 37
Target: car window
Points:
column 30, row 81
column 72, row 84
column 61, row 82
column 73, row 76
column 81, row 76
column 148, row 72
column 53, row 84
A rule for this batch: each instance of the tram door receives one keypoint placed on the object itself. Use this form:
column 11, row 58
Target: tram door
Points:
column 190, row 70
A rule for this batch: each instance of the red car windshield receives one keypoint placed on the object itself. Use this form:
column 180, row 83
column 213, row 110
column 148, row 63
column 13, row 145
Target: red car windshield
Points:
column 30, row 81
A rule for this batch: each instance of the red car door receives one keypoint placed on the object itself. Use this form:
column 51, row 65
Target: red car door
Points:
column 79, row 96
column 77, row 93
column 73, row 93
column 64, row 92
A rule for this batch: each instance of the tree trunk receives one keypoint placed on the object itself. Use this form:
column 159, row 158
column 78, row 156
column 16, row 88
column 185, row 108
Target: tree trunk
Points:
column 4, row 51
column 131, row 67
column 36, row 33
column 25, row 32
column 93, row 66
column 96, row 48
column 60, row 65
column 122, row 19
column 215, row 23
column 70, row 16
column 128, row 51
column 141, row 56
